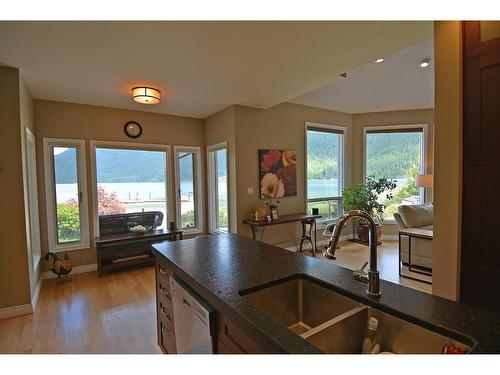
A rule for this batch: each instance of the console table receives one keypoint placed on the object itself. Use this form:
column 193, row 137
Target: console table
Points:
column 308, row 227
column 120, row 250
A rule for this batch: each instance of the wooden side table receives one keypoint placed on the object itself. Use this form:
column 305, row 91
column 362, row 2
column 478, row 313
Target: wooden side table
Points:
column 308, row 227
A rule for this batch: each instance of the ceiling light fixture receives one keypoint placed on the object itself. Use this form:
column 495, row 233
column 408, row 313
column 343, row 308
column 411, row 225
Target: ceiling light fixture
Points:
column 146, row 95
column 424, row 63
column 379, row 60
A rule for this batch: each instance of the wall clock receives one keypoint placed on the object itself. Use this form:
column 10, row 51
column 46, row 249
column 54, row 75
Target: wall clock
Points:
column 132, row 129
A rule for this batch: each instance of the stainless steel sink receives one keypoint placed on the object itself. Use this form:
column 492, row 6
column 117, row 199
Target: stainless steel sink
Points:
column 337, row 324
column 299, row 303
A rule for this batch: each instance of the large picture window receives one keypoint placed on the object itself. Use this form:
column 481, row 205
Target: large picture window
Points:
column 131, row 180
column 188, row 188
column 218, row 183
column 396, row 153
column 65, row 185
column 325, row 169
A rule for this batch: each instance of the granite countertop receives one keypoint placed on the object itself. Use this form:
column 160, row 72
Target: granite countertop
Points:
column 219, row 266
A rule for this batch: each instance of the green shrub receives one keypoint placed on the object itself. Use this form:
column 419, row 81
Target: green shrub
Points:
column 188, row 219
column 68, row 222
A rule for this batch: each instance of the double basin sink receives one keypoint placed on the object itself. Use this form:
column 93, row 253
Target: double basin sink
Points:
column 337, row 324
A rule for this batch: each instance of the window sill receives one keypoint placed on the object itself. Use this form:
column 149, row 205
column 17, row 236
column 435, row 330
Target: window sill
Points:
column 215, row 231
column 190, row 231
column 63, row 249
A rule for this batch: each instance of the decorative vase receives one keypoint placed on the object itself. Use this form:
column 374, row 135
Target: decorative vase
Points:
column 363, row 233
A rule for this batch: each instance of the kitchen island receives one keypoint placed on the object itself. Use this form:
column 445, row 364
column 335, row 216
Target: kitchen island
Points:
column 225, row 269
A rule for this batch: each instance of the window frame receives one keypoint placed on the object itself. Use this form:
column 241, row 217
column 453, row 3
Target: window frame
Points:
column 423, row 150
column 198, row 182
column 94, row 144
column 50, row 193
column 32, row 214
column 342, row 154
column 213, row 201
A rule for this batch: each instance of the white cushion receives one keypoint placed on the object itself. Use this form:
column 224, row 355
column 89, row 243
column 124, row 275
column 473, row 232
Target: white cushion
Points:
column 417, row 215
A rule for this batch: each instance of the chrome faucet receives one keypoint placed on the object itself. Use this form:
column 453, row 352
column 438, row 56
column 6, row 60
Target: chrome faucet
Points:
column 373, row 274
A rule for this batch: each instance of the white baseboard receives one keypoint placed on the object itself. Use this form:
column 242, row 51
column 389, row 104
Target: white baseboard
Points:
column 34, row 299
column 9, row 312
column 76, row 270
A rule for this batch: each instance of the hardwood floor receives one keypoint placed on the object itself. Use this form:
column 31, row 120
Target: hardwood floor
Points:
column 352, row 255
column 85, row 314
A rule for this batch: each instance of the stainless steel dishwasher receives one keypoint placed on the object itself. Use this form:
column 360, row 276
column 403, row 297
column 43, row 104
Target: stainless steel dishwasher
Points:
column 194, row 320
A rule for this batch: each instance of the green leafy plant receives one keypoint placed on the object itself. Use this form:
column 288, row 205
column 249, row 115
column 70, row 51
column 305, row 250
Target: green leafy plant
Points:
column 365, row 197
column 68, row 222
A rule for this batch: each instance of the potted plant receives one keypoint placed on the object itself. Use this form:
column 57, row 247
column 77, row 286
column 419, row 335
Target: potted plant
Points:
column 365, row 197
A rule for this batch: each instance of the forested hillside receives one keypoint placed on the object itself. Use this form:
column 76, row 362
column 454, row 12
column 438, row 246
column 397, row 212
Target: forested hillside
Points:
column 388, row 156
column 122, row 166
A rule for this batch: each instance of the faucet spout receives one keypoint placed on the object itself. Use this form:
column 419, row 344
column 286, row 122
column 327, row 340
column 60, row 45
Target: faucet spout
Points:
column 373, row 274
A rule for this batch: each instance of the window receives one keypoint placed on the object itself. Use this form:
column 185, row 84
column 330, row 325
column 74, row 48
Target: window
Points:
column 396, row 152
column 325, row 169
column 130, row 178
column 188, row 188
column 218, row 183
column 65, row 187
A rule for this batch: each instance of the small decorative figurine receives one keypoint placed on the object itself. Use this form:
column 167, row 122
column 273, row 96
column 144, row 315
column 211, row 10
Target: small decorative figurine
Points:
column 60, row 267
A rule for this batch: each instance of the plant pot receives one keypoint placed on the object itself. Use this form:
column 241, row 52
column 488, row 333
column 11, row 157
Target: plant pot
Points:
column 363, row 233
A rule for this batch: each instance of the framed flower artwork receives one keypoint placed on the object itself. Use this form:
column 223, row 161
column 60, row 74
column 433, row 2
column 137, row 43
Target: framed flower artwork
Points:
column 277, row 173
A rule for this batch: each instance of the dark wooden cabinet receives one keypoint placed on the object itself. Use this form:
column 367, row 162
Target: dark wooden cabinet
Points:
column 164, row 308
column 122, row 250
column 480, row 255
column 229, row 338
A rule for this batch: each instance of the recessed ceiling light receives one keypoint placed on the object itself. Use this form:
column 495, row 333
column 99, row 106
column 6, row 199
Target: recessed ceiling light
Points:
column 146, row 95
column 379, row 60
column 424, row 63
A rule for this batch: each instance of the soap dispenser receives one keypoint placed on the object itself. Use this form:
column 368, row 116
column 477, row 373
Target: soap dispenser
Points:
column 370, row 343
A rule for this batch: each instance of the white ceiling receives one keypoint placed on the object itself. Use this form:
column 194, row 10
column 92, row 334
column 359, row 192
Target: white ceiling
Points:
column 398, row 83
column 200, row 67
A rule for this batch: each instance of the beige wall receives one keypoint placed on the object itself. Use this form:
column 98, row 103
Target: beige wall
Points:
column 447, row 159
column 77, row 121
column 14, row 277
column 279, row 127
column 219, row 128
column 360, row 121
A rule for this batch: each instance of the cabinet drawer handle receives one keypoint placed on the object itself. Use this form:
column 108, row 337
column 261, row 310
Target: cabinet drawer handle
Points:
column 163, row 270
column 164, row 311
column 164, row 290
column 165, row 331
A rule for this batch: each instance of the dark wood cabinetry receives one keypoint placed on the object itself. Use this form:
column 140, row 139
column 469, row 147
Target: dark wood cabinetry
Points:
column 480, row 256
column 121, row 250
column 229, row 338
column 164, row 308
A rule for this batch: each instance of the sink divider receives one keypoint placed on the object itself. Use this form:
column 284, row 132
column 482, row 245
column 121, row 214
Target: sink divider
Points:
column 333, row 321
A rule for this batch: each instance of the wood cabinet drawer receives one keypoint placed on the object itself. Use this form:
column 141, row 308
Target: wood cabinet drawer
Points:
column 222, row 348
column 163, row 272
column 166, row 338
column 165, row 312
column 234, row 339
column 164, row 292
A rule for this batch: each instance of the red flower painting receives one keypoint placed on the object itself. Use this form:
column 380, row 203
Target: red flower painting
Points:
column 277, row 173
